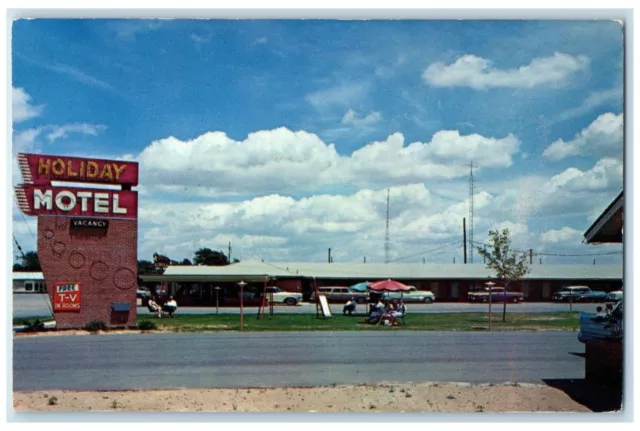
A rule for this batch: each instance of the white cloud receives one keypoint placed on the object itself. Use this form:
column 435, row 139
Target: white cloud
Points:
column 593, row 101
column 351, row 118
column 200, row 39
column 341, row 95
column 57, row 132
column 604, row 136
column 563, row 235
column 261, row 40
column 275, row 161
column 479, row 73
column 21, row 107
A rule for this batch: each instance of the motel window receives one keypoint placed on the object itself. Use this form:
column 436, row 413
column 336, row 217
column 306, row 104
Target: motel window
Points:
column 28, row 286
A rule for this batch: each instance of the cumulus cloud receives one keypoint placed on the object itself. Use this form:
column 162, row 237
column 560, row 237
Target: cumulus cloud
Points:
column 275, row 161
column 563, row 235
column 604, row 136
column 200, row 39
column 21, row 106
column 480, row 74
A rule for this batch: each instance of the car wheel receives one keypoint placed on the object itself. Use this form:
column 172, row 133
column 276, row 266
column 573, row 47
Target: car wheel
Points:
column 485, row 300
column 360, row 300
column 290, row 301
column 516, row 300
column 427, row 300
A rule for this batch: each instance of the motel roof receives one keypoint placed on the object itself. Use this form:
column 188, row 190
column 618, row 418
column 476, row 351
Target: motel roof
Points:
column 608, row 227
column 255, row 271
column 37, row 276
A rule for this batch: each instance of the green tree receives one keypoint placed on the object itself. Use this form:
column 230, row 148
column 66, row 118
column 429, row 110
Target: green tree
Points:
column 507, row 264
column 30, row 263
column 206, row 256
column 185, row 261
column 146, row 267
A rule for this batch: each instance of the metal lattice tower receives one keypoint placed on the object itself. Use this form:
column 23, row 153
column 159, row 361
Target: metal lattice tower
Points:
column 387, row 240
column 471, row 190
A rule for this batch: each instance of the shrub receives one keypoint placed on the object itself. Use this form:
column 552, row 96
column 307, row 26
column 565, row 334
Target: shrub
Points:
column 52, row 401
column 96, row 325
column 34, row 326
column 147, row 325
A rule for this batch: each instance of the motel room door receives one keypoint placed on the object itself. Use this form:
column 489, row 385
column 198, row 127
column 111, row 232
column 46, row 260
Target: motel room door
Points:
column 546, row 290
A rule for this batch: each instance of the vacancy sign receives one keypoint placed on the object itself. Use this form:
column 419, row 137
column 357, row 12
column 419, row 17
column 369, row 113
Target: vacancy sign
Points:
column 66, row 297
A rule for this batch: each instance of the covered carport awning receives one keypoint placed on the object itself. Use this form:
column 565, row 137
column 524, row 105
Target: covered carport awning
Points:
column 608, row 227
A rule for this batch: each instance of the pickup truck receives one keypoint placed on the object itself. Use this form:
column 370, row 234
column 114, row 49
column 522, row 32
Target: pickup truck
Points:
column 497, row 295
column 413, row 295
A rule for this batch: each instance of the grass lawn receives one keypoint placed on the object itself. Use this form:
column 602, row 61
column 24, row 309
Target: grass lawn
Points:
column 565, row 321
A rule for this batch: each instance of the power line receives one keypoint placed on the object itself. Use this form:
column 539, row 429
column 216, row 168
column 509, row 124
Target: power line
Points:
column 471, row 190
column 428, row 251
column 565, row 254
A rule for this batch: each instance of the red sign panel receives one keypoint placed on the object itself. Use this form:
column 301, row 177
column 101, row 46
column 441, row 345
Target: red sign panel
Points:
column 69, row 201
column 41, row 169
column 66, row 297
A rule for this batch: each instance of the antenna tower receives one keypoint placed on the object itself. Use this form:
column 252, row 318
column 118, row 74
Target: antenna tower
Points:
column 386, row 235
column 471, row 190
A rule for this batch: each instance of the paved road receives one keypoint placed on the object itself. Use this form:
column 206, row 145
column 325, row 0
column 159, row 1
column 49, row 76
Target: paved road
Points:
column 28, row 305
column 156, row 361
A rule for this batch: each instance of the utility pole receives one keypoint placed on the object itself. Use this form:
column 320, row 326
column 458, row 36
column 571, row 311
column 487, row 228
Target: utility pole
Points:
column 471, row 190
column 464, row 238
column 229, row 251
column 365, row 259
column 454, row 259
column 530, row 256
column 386, row 235
column 329, row 257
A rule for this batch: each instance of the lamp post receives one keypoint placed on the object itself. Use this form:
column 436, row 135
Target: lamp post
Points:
column 217, row 289
column 242, row 284
column 489, row 284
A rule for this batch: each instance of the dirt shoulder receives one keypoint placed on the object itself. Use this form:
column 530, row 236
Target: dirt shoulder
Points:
column 390, row 397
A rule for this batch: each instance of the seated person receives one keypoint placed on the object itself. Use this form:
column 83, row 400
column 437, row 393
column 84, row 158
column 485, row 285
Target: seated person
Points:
column 349, row 307
column 399, row 310
column 376, row 312
column 154, row 307
column 170, row 306
column 601, row 314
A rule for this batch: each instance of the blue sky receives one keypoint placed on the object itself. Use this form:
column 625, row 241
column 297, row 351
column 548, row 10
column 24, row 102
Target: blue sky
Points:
column 283, row 136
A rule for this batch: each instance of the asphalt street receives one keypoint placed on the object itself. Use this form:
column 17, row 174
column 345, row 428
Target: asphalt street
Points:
column 228, row 360
column 30, row 305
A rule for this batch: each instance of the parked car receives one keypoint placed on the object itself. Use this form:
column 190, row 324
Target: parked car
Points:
column 593, row 296
column 284, row 297
column 570, row 293
column 340, row 294
column 413, row 295
column 497, row 295
column 614, row 296
column 610, row 327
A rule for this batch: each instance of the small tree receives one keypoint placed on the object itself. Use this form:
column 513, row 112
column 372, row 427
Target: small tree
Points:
column 506, row 263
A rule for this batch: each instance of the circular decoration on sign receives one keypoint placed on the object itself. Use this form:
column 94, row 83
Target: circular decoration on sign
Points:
column 124, row 278
column 76, row 260
column 99, row 270
column 58, row 248
column 48, row 234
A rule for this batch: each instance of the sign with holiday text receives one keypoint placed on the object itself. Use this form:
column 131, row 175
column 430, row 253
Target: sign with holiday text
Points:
column 66, row 297
column 41, row 169
column 70, row 201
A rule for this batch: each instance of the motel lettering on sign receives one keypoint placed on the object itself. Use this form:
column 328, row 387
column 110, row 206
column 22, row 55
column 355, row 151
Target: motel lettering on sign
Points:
column 50, row 200
column 41, row 169
column 66, row 297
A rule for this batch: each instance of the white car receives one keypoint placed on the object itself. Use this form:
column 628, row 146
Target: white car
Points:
column 413, row 295
column 283, row 297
